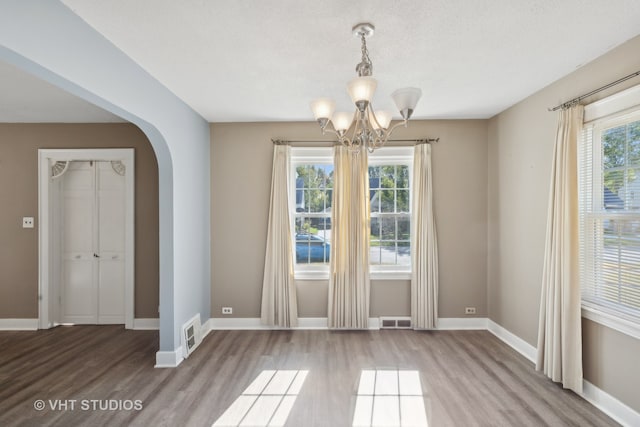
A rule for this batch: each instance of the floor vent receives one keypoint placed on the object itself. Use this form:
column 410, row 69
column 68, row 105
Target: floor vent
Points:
column 191, row 335
column 395, row 323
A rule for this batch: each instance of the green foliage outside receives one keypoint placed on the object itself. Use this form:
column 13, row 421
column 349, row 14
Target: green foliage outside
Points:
column 621, row 156
column 316, row 183
column 389, row 190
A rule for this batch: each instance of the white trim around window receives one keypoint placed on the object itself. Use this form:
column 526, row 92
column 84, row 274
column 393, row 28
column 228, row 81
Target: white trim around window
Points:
column 613, row 111
column 324, row 155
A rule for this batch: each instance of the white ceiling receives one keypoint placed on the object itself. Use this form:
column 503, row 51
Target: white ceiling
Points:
column 253, row 60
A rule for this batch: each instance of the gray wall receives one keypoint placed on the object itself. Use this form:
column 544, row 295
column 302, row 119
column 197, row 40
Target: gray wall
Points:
column 241, row 160
column 19, row 144
column 520, row 153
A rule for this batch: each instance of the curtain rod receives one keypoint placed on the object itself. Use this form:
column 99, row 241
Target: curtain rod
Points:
column 414, row 141
column 574, row 101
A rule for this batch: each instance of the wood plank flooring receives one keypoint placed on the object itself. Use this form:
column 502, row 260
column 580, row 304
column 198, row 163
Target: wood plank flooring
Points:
column 469, row 378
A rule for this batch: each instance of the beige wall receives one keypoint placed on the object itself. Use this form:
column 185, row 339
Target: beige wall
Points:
column 520, row 153
column 241, row 158
column 19, row 144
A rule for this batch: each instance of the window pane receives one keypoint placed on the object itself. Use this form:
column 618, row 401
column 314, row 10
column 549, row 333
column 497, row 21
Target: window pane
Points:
column 387, row 202
column 388, row 228
column 613, row 142
column 375, row 201
column 375, row 228
column 402, row 180
column 387, row 253
column 634, row 142
column 375, row 253
column 374, row 177
column 312, row 247
column 403, row 201
column 388, row 177
column 613, row 182
column 404, row 253
column 404, row 228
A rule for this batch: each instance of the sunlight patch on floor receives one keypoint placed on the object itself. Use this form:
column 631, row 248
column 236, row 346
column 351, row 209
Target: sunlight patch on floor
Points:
column 266, row 402
column 389, row 398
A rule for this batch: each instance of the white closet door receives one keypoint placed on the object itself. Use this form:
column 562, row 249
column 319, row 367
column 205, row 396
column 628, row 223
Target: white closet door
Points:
column 110, row 246
column 78, row 293
column 93, row 241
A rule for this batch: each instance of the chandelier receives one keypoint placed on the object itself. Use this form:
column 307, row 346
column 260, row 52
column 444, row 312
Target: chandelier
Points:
column 364, row 127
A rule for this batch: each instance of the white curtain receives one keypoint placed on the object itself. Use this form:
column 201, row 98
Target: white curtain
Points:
column 279, row 302
column 350, row 234
column 424, row 243
column 559, row 331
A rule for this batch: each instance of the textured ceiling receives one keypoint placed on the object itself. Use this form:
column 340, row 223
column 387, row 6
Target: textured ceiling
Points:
column 252, row 60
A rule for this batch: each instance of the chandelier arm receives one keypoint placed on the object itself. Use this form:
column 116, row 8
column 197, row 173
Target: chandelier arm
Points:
column 357, row 124
column 373, row 113
column 330, row 131
column 397, row 125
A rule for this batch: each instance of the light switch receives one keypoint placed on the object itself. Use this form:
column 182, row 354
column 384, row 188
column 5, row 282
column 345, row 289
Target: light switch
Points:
column 27, row 222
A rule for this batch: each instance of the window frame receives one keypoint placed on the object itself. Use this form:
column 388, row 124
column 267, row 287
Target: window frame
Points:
column 616, row 110
column 305, row 156
column 324, row 155
column 396, row 156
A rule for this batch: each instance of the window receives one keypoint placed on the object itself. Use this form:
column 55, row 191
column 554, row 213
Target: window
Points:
column 609, row 165
column 389, row 187
column 390, row 197
column 312, row 181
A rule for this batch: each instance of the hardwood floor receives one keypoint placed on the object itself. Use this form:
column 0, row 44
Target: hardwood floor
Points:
column 469, row 378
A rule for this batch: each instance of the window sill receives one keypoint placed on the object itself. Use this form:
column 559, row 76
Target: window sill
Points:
column 612, row 321
column 374, row 275
column 311, row 275
column 390, row 275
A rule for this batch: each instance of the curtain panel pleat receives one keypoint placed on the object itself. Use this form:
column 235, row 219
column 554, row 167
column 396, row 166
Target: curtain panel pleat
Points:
column 559, row 331
column 424, row 244
column 349, row 287
column 279, row 301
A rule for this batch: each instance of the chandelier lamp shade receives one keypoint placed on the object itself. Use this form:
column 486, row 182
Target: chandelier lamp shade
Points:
column 365, row 127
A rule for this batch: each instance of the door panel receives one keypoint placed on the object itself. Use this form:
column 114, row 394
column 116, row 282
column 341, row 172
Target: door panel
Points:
column 111, row 244
column 111, row 292
column 78, row 294
column 93, row 238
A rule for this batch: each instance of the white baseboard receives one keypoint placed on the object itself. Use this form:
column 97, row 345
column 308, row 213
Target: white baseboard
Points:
column 592, row 394
column 169, row 359
column 253, row 323
column 206, row 328
column 517, row 343
column 460, row 323
column 18, row 324
column 146, row 324
column 610, row 405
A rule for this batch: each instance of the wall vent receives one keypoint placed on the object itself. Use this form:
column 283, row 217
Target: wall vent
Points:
column 191, row 335
column 395, row 323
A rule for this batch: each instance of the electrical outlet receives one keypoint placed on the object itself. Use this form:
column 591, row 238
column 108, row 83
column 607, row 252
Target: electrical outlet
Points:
column 227, row 310
column 27, row 222
column 469, row 310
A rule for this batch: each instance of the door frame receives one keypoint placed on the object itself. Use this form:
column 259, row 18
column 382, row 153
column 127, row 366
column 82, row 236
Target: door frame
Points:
column 47, row 283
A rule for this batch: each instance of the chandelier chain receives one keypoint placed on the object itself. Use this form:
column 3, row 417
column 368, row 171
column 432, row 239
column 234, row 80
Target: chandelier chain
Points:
column 365, row 51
